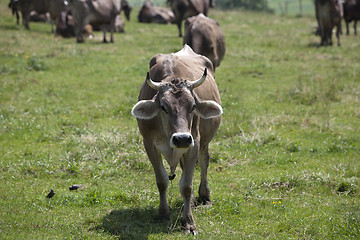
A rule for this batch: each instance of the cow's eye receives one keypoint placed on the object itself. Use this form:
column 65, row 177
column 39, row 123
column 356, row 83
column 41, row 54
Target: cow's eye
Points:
column 193, row 108
column 163, row 109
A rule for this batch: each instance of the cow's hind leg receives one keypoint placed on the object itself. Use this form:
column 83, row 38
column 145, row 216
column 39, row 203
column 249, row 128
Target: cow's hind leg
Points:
column 162, row 179
column 104, row 36
column 204, row 190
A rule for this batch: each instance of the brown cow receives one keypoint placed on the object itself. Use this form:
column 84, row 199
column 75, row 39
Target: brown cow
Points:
column 152, row 14
column 328, row 15
column 188, row 8
column 178, row 114
column 351, row 13
column 99, row 12
column 205, row 37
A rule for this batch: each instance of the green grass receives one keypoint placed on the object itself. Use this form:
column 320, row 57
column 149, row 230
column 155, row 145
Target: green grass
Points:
column 293, row 7
column 285, row 162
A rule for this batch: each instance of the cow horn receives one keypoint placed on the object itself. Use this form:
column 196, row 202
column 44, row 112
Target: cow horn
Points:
column 151, row 83
column 200, row 81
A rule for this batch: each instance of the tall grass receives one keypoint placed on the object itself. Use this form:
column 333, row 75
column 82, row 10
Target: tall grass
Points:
column 284, row 164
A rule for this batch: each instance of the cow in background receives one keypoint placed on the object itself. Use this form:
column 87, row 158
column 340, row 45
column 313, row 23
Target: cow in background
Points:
column 54, row 7
column 329, row 14
column 205, row 37
column 351, row 13
column 188, row 8
column 97, row 12
column 150, row 13
column 178, row 114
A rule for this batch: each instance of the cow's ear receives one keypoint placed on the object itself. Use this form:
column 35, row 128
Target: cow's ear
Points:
column 145, row 109
column 208, row 109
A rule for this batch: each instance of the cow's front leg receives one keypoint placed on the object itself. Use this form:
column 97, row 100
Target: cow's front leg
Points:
column 186, row 189
column 204, row 190
column 162, row 179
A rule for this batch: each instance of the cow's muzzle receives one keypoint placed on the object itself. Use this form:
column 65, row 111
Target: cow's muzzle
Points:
column 181, row 140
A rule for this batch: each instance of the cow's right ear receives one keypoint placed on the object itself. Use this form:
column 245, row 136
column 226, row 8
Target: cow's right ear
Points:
column 145, row 109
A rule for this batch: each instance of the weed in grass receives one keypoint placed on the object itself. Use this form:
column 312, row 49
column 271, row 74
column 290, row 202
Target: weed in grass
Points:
column 36, row 64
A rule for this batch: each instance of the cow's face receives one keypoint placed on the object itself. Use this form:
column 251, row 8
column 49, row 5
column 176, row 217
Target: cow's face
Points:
column 175, row 103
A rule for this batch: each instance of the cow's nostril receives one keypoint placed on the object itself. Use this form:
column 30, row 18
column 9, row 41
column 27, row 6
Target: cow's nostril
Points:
column 176, row 140
column 189, row 140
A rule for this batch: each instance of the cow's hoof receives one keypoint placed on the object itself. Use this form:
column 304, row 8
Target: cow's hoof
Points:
column 204, row 200
column 190, row 229
column 193, row 232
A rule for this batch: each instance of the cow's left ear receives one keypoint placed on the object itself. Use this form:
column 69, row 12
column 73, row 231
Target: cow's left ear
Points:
column 144, row 109
column 208, row 109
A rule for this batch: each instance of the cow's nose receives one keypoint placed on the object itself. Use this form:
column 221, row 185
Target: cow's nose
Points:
column 181, row 140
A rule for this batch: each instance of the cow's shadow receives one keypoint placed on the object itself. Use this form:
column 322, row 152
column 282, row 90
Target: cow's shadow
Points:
column 137, row 223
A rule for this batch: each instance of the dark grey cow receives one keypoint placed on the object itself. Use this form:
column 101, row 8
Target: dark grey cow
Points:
column 54, row 7
column 351, row 13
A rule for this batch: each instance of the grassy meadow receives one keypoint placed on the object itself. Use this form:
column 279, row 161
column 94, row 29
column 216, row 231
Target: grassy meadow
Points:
column 285, row 163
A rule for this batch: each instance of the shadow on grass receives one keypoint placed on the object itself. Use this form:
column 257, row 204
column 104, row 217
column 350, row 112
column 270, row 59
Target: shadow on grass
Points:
column 10, row 27
column 137, row 223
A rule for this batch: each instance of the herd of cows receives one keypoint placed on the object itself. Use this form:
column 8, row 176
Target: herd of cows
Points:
column 80, row 17
column 179, row 107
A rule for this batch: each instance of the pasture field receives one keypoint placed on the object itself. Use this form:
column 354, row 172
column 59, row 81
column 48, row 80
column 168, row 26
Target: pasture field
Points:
column 285, row 163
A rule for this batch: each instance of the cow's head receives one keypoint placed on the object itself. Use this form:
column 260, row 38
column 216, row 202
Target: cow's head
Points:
column 176, row 103
column 127, row 9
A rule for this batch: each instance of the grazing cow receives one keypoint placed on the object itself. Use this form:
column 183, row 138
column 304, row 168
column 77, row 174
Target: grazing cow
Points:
column 188, row 8
column 178, row 114
column 329, row 14
column 205, row 37
column 351, row 13
column 97, row 12
column 54, row 7
column 152, row 14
